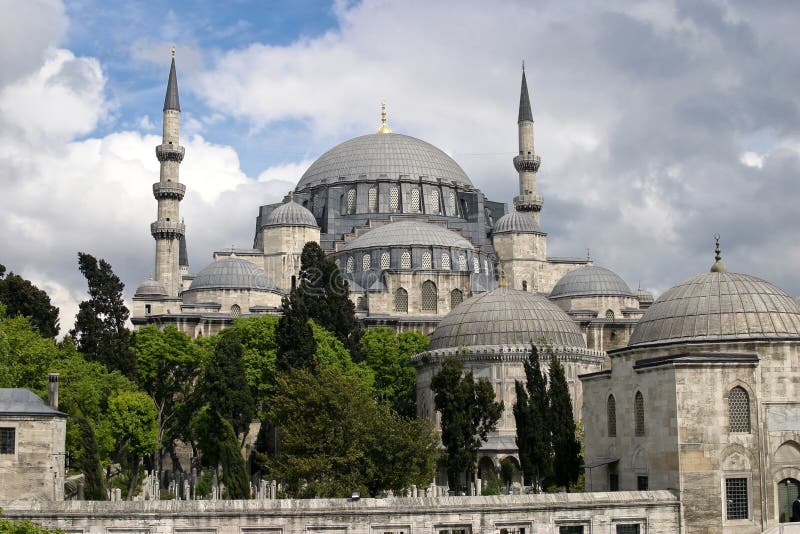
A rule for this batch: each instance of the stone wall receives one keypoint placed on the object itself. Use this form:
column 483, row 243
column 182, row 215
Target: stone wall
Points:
column 36, row 469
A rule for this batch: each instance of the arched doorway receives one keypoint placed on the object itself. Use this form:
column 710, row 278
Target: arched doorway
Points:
column 788, row 489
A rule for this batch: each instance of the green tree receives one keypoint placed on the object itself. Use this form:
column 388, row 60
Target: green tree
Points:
column 469, row 412
column 25, row 356
column 23, row 298
column 337, row 439
column 9, row 526
column 100, row 326
column 295, row 339
column 88, row 461
column 566, row 447
column 133, row 422
column 532, row 422
column 259, row 354
column 220, row 446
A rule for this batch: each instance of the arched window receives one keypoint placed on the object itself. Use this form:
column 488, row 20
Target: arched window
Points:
column 451, row 203
column 524, row 285
column 385, row 261
column 476, row 266
column 429, row 297
column 739, row 410
column 372, row 197
column 351, row 264
column 462, row 262
column 405, row 260
column 394, row 198
column 434, row 207
column 638, row 412
column 456, row 298
column 445, row 261
column 415, row 199
column 426, row 260
column 366, row 260
column 401, row 300
column 611, row 409
column 236, row 311
column 610, row 315
column 351, row 201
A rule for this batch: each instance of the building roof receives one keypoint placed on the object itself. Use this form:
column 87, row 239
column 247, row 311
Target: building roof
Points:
column 232, row 273
column 719, row 306
column 408, row 233
column 183, row 254
column 516, row 222
column 590, row 280
column 19, row 401
column 506, row 316
column 644, row 296
column 150, row 287
column 389, row 154
column 291, row 214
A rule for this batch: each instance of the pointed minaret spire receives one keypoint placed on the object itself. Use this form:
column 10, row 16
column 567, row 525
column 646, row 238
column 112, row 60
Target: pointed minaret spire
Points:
column 718, row 266
column 171, row 101
column 527, row 162
column 525, row 113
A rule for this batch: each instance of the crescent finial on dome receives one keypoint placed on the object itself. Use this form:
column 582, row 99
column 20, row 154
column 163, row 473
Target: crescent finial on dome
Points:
column 384, row 128
column 718, row 266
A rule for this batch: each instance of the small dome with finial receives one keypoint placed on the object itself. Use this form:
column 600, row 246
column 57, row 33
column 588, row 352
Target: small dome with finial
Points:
column 718, row 266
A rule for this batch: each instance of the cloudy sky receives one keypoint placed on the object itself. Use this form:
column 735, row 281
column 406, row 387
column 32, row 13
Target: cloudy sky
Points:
column 658, row 123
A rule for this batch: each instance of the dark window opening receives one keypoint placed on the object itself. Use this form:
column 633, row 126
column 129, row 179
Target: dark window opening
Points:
column 642, row 483
column 7, row 440
column 736, row 498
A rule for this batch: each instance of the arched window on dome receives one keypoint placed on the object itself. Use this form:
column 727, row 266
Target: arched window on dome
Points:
column 524, row 285
column 429, row 298
column 394, row 198
column 414, row 200
column 638, row 413
column 434, row 207
column 386, row 261
column 236, row 311
column 610, row 315
column 351, row 200
column 456, row 298
column 739, row 410
column 427, row 262
column 366, row 262
column 476, row 266
column 401, row 300
column 405, row 260
column 451, row 203
column 351, row 264
column 611, row 415
column 445, row 261
column 372, row 197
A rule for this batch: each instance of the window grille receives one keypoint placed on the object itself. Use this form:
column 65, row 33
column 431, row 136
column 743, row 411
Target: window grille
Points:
column 351, row 264
column 739, row 410
column 405, row 260
column 610, row 315
column 512, row 530
column 445, row 261
column 476, row 265
column 462, row 262
column 426, row 260
column 454, row 530
column 628, row 528
column 401, row 300
column 434, row 208
column 456, row 298
column 611, row 409
column 736, row 498
column 394, row 198
column 366, row 260
column 428, row 296
column 451, row 203
column 372, row 197
column 7, row 441
column 236, row 311
column 386, row 261
column 638, row 410
column 415, row 199
column 570, row 529
column 351, row 201
column 642, row 483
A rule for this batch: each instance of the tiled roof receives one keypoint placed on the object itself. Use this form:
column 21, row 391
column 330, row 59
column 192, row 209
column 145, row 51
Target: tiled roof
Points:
column 19, row 401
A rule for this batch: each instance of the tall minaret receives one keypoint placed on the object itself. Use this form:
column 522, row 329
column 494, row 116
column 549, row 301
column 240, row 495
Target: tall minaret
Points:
column 527, row 162
column 168, row 230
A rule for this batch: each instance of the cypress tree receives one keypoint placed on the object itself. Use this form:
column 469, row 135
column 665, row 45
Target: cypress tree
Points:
column 224, row 384
column 566, row 448
column 531, row 417
column 294, row 337
column 89, row 461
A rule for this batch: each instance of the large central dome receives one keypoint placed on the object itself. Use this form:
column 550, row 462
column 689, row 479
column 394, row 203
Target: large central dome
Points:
column 382, row 155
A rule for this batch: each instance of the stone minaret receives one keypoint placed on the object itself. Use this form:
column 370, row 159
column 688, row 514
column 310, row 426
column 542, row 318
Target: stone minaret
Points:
column 168, row 230
column 527, row 162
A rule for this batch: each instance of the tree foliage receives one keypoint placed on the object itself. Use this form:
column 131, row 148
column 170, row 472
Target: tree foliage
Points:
column 10, row 526
column 23, row 298
column 566, row 447
column 133, row 422
column 532, row 422
column 468, row 413
column 220, row 445
column 100, row 326
column 87, row 460
column 295, row 340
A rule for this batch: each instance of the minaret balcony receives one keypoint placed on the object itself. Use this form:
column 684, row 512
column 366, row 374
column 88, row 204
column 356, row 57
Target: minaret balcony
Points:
column 167, row 229
column 170, row 152
column 527, row 162
column 529, row 202
column 169, row 190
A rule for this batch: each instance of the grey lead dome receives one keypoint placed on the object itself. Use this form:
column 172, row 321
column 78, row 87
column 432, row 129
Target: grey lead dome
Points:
column 506, row 317
column 409, row 233
column 291, row 214
column 719, row 306
column 389, row 155
column 232, row 273
column 150, row 288
column 590, row 281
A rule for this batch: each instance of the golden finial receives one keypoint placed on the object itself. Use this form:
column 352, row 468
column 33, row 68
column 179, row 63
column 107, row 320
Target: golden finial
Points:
column 384, row 128
column 173, row 51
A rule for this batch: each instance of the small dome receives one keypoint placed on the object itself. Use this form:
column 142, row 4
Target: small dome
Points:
column 516, row 222
column 151, row 288
column 409, row 233
column 644, row 297
column 719, row 306
column 291, row 214
column 232, row 273
column 380, row 155
column 506, row 317
column 590, row 281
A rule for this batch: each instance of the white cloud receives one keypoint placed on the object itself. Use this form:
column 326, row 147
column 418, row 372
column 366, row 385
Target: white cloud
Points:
column 752, row 159
column 27, row 31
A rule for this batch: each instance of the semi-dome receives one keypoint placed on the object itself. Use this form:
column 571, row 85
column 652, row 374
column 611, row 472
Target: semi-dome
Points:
column 409, row 233
column 506, row 317
column 719, row 306
column 386, row 154
column 232, row 273
column 516, row 222
column 291, row 214
column 590, row 281
column 151, row 288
